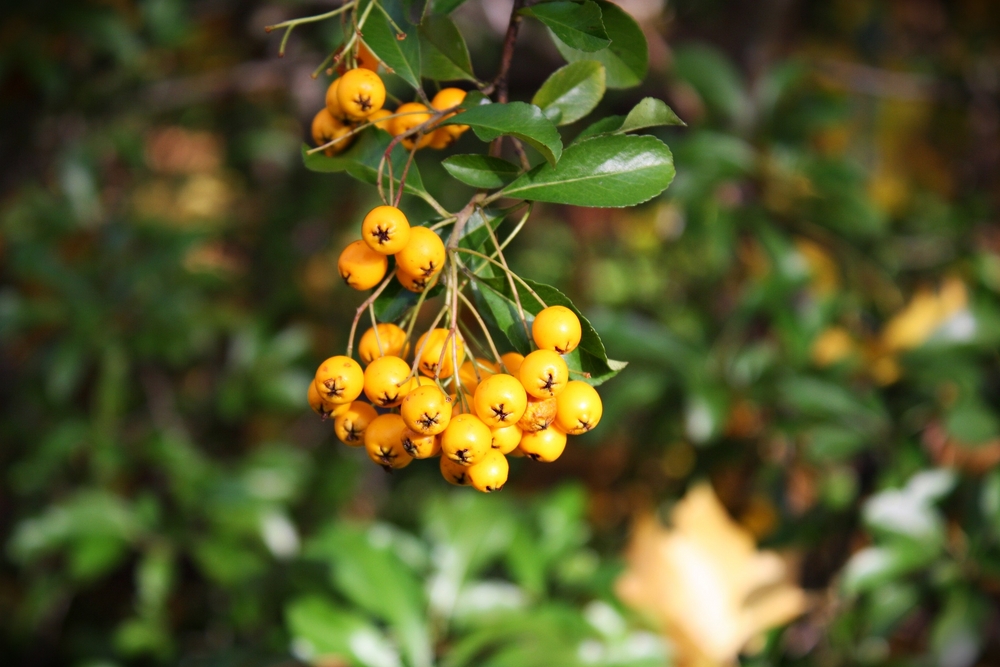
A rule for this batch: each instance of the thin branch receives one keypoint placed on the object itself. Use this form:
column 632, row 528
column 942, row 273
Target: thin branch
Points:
column 482, row 324
column 513, row 288
column 361, row 309
column 498, row 264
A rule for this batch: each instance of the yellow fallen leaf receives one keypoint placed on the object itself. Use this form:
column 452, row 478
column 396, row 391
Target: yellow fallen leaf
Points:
column 706, row 582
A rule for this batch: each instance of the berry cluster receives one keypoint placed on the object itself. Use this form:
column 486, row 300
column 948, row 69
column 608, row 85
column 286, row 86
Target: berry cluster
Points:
column 355, row 101
column 473, row 418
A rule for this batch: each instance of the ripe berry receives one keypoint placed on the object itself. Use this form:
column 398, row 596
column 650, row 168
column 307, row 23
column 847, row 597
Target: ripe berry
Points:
column 538, row 414
column 455, row 473
column 384, row 442
column 325, row 128
column 500, row 400
column 556, row 328
column 339, row 380
column 544, row 374
column 350, row 425
column 386, row 230
column 378, row 119
column 423, row 255
column 446, row 98
column 545, row 445
column 414, row 113
column 361, row 93
column 323, row 408
column 474, row 371
column 512, row 362
column 441, row 138
column 415, row 284
column 579, row 408
column 385, row 381
column 506, row 438
column 466, row 440
column 392, row 338
column 426, row 410
column 332, row 103
column 490, row 474
column 432, row 353
column 361, row 267
column 420, row 445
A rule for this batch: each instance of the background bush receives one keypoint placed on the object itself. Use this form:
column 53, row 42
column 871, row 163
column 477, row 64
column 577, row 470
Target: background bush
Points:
column 810, row 311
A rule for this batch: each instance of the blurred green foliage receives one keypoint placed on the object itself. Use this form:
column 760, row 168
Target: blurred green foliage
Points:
column 811, row 313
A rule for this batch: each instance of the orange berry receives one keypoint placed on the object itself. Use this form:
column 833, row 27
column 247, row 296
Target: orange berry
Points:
column 556, row 328
column 386, row 230
column 384, row 442
column 474, row 371
column 426, row 410
column 361, row 93
column 321, row 407
column 512, row 362
column 423, row 256
column 446, row 98
column 385, row 381
column 415, row 284
column 466, row 440
column 378, row 119
column 421, row 445
column 414, row 114
column 361, row 267
column 538, row 414
column 455, row 473
column 367, row 59
column 506, row 438
column 350, row 425
column 339, row 380
column 490, row 474
column 431, row 353
column 325, row 128
column 579, row 408
column 545, row 445
column 391, row 338
column 544, row 374
column 332, row 103
column 500, row 400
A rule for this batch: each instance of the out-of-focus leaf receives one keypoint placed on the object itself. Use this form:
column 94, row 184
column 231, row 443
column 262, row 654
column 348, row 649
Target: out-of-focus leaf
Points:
column 873, row 566
column 957, row 636
column 362, row 160
column 517, row 119
column 571, row 92
column 626, row 59
column 321, row 631
column 578, row 26
column 609, row 171
column 714, row 77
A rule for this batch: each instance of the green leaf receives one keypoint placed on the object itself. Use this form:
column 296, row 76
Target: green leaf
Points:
column 577, row 26
column 608, row 171
column 320, row 629
column 361, row 161
column 517, row 119
column 571, row 92
column 590, row 357
column 445, row 6
column 481, row 171
column 626, row 59
column 714, row 78
column 650, row 112
column 606, row 125
column 443, row 53
column 400, row 55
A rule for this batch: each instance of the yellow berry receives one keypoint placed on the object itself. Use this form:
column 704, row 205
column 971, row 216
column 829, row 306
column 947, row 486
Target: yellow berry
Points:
column 391, row 338
column 579, row 408
column 544, row 374
column 386, row 230
column 332, row 103
column 500, row 400
column 378, row 119
column 474, row 371
column 466, row 439
column 423, row 256
column 421, row 445
column 446, row 98
column 538, row 414
column 339, row 380
column 367, row 59
column 556, row 328
column 351, row 424
column 426, row 410
column 455, row 473
column 361, row 93
column 413, row 114
column 413, row 283
column 431, row 353
column 441, row 138
column 361, row 267
column 321, row 407
column 490, row 474
column 384, row 441
column 326, row 128
column 512, row 362
column 545, row 445
column 385, row 381
column 506, row 438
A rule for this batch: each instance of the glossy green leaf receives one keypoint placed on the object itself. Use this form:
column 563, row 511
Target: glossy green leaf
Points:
column 516, row 119
column 611, row 171
column 626, row 59
column 400, row 55
column 443, row 53
column 481, row 171
column 571, row 92
column 650, row 112
column 445, row 6
column 578, row 26
column 606, row 125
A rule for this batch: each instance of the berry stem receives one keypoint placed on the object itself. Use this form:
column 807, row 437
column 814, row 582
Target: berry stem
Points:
column 361, row 309
column 513, row 287
column 501, row 266
column 402, row 178
column 482, row 325
column 416, row 308
column 378, row 339
column 416, row 356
